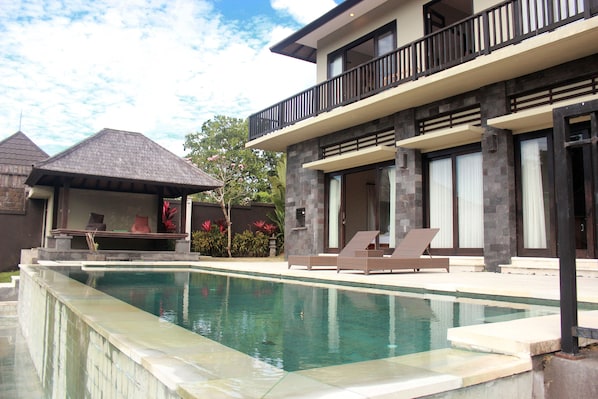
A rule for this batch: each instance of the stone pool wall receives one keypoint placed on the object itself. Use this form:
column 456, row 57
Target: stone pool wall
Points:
column 71, row 358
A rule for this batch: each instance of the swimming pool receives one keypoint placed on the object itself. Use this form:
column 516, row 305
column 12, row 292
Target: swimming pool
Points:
column 299, row 326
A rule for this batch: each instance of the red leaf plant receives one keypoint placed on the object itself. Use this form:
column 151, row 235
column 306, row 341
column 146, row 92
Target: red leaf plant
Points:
column 264, row 227
column 206, row 225
column 167, row 216
column 221, row 225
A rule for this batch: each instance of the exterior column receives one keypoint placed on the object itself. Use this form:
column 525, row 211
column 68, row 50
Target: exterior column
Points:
column 408, row 163
column 189, row 206
column 500, row 239
column 305, row 191
column 183, row 214
column 64, row 204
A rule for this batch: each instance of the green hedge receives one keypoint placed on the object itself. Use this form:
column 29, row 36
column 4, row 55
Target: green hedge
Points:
column 246, row 244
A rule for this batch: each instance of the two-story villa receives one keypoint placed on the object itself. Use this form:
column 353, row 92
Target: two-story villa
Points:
column 438, row 114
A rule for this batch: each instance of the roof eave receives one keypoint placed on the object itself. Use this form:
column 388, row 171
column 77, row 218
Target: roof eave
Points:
column 291, row 46
column 36, row 178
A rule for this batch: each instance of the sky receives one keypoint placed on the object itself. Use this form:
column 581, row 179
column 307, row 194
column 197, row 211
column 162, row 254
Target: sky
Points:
column 69, row 68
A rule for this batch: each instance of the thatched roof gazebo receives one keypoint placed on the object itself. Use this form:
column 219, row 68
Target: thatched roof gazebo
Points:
column 117, row 173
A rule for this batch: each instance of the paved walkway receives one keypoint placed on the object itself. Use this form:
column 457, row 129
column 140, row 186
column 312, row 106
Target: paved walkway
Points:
column 18, row 379
column 482, row 283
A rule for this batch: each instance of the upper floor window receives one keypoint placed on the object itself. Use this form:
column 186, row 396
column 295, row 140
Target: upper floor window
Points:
column 362, row 50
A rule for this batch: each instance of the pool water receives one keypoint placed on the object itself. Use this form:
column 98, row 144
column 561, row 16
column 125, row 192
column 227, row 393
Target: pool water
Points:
column 297, row 326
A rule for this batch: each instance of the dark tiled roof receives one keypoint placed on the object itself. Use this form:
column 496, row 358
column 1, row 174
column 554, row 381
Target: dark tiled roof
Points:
column 123, row 161
column 18, row 149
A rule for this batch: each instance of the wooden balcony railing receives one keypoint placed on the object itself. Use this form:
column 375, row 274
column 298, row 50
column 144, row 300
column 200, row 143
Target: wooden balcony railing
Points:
column 505, row 24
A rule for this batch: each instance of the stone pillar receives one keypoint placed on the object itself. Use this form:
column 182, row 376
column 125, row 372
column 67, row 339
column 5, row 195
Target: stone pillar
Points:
column 304, row 191
column 500, row 240
column 182, row 246
column 62, row 242
column 409, row 206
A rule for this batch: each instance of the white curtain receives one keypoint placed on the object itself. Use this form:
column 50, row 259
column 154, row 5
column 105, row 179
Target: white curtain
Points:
column 470, row 195
column 441, row 202
column 334, row 206
column 534, row 219
column 534, row 13
column 392, row 172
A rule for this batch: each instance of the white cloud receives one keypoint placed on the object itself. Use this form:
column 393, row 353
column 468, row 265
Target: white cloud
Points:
column 304, row 11
column 160, row 68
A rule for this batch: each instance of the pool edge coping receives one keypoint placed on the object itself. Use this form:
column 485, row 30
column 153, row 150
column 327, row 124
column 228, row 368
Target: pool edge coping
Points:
column 517, row 360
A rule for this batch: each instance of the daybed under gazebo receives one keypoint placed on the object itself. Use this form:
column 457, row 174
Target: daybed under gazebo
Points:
column 106, row 184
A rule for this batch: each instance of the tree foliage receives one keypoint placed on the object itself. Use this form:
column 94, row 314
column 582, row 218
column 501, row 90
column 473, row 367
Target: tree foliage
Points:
column 225, row 137
column 278, row 195
column 219, row 149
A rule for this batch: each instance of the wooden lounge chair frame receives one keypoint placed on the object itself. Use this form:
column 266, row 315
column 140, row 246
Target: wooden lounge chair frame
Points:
column 357, row 246
column 407, row 255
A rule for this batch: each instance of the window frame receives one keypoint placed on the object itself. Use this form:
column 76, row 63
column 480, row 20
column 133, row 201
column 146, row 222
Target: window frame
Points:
column 451, row 153
column 521, row 250
column 391, row 27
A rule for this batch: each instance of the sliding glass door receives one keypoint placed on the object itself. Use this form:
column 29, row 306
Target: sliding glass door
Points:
column 335, row 218
column 362, row 199
column 535, row 194
column 536, row 214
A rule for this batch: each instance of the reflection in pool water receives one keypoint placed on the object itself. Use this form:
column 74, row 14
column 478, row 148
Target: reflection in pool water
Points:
column 297, row 326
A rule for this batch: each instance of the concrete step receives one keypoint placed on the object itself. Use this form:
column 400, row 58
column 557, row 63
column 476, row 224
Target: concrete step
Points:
column 8, row 309
column 548, row 267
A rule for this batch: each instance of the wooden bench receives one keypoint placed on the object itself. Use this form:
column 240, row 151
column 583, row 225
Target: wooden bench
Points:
column 120, row 234
column 63, row 237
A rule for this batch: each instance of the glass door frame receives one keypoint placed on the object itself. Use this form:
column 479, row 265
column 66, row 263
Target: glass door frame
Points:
column 589, row 227
column 378, row 168
column 452, row 154
column 550, row 251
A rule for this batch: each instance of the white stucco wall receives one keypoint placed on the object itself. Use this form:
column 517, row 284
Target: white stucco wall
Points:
column 119, row 209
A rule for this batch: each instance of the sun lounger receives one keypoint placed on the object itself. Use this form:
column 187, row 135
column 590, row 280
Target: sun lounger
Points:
column 407, row 255
column 357, row 246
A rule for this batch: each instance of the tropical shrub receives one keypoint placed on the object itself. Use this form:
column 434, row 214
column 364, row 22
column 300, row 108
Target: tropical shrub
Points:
column 210, row 240
column 251, row 244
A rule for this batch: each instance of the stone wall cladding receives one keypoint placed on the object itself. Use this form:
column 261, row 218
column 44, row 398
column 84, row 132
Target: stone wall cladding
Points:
column 305, row 189
column 561, row 73
column 452, row 104
column 409, row 207
column 500, row 239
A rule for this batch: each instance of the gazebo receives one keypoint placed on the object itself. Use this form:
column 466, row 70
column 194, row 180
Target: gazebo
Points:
column 102, row 187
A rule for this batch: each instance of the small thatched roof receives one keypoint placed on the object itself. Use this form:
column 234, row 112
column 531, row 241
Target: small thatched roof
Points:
column 117, row 160
column 18, row 149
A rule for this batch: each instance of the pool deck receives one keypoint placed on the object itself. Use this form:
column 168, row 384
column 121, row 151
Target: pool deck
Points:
column 197, row 367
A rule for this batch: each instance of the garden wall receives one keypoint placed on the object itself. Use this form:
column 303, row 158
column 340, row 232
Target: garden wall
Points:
column 20, row 230
column 24, row 230
column 242, row 216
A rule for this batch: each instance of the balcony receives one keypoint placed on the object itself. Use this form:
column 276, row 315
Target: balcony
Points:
column 482, row 34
